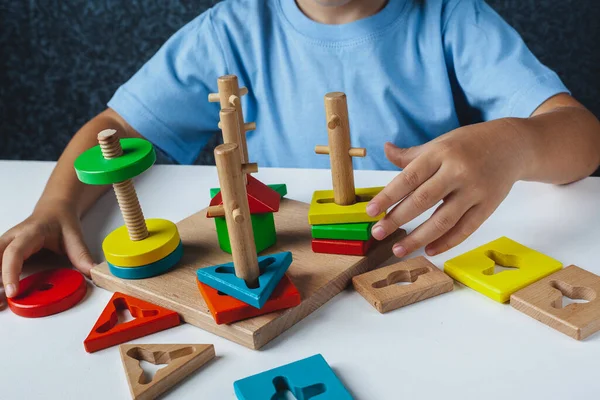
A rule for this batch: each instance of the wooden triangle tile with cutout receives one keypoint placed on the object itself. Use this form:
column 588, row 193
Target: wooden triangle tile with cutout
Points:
column 181, row 360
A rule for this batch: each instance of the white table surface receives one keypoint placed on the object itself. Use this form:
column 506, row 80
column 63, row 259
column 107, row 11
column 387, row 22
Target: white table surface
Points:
column 458, row 345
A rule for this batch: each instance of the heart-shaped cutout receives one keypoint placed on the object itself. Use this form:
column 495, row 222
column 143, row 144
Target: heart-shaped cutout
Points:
column 402, row 276
column 570, row 296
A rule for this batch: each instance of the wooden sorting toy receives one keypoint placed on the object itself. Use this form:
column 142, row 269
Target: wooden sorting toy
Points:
column 181, row 360
column 48, row 292
column 262, row 200
column 149, row 318
column 248, row 278
column 141, row 242
column 226, row 309
column 543, row 301
column 476, row 268
column 348, row 247
column 309, row 378
column 380, row 287
column 356, row 231
column 177, row 289
column 272, row 268
column 344, row 207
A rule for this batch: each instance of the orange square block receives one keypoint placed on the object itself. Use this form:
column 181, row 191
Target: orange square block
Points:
column 226, row 309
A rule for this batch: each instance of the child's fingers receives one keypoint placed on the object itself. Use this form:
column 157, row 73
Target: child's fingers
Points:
column 443, row 219
column 21, row 248
column 77, row 251
column 469, row 223
column 422, row 199
column 404, row 183
column 401, row 157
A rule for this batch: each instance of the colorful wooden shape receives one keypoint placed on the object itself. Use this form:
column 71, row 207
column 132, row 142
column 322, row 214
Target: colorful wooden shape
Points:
column 306, row 379
column 261, row 198
column 149, row 318
column 263, row 227
column 180, row 359
column 226, row 309
column 149, row 270
column 48, row 292
column 272, row 269
column 121, row 251
column 543, row 301
column 93, row 169
column 280, row 188
column 356, row 231
column 346, row 247
column 323, row 209
column 380, row 287
column 476, row 268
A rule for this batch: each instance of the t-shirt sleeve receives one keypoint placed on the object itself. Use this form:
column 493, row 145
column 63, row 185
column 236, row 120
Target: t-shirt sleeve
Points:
column 495, row 71
column 167, row 99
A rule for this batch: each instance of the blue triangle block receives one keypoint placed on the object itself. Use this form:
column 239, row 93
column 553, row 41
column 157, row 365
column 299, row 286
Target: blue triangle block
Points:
column 222, row 277
column 305, row 379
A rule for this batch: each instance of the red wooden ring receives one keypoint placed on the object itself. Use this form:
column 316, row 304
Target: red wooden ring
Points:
column 48, row 292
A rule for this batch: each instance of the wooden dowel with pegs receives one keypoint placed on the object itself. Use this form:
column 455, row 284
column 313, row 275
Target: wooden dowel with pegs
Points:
column 229, row 96
column 237, row 213
column 125, row 191
column 339, row 150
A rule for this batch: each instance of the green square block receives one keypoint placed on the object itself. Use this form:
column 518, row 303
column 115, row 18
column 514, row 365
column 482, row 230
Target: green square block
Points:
column 280, row 188
column 356, row 231
column 263, row 226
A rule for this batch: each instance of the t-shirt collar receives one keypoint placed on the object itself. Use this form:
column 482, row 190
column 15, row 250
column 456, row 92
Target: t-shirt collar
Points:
column 343, row 32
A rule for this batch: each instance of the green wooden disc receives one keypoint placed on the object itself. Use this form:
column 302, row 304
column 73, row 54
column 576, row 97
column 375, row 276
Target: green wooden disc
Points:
column 93, row 169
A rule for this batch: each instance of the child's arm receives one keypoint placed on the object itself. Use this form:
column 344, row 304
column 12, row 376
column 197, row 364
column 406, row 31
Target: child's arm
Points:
column 473, row 168
column 55, row 221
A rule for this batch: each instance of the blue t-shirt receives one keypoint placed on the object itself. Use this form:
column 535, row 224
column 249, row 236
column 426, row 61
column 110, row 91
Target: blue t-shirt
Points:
column 413, row 71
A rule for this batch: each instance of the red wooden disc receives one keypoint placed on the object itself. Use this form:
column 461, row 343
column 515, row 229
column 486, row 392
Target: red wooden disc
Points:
column 48, row 292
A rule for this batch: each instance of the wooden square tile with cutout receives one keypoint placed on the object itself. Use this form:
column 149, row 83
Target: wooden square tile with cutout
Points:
column 543, row 301
column 381, row 289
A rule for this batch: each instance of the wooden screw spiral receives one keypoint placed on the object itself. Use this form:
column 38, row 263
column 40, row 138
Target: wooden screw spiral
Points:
column 126, row 195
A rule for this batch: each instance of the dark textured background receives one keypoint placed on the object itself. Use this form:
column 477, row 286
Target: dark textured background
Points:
column 62, row 60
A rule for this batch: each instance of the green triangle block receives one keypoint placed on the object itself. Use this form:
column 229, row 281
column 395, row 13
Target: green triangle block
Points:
column 263, row 226
column 355, row 231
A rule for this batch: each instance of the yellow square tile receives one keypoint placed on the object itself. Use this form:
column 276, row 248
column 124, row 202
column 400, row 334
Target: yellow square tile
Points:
column 323, row 209
column 475, row 268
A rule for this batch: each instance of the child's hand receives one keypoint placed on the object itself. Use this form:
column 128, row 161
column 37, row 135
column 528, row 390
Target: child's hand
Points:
column 54, row 226
column 471, row 169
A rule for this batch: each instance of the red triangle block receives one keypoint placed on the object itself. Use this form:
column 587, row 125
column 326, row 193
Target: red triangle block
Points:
column 149, row 318
column 261, row 198
column 226, row 309
column 345, row 247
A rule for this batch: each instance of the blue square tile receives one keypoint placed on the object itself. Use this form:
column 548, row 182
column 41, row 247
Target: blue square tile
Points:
column 311, row 378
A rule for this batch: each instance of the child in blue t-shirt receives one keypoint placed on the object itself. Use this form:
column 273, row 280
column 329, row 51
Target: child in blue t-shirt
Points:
column 461, row 104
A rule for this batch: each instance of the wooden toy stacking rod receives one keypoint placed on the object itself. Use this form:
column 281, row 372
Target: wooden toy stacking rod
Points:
column 125, row 191
column 237, row 212
column 229, row 96
column 338, row 129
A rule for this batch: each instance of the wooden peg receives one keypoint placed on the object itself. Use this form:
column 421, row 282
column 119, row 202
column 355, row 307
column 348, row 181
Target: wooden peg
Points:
column 250, row 126
column 229, row 97
column 237, row 212
column 338, row 129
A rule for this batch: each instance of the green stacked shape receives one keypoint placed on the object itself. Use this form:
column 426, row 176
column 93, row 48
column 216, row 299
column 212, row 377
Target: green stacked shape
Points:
column 263, row 225
column 356, row 231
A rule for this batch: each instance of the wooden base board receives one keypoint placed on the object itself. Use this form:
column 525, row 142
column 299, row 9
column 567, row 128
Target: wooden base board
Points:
column 318, row 277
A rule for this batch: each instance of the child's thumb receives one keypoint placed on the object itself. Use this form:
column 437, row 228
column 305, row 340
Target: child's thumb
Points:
column 401, row 157
column 78, row 253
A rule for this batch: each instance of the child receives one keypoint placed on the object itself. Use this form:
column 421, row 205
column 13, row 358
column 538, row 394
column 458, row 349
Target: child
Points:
column 415, row 71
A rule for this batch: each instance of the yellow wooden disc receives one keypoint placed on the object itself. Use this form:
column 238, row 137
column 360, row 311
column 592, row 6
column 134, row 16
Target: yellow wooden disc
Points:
column 121, row 251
